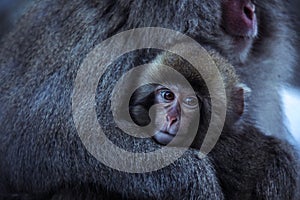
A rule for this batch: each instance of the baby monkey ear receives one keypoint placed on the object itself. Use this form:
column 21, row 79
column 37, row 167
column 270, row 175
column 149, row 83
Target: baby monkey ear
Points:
column 239, row 93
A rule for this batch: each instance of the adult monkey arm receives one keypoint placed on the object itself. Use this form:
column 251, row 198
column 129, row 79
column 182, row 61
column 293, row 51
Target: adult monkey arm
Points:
column 42, row 154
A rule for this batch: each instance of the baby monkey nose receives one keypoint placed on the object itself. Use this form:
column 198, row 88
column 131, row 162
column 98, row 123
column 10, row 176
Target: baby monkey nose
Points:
column 172, row 119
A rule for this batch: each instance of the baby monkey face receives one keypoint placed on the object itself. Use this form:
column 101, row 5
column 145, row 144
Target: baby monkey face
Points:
column 175, row 111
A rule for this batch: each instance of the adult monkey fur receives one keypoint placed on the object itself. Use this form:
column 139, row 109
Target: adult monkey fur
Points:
column 39, row 60
column 231, row 32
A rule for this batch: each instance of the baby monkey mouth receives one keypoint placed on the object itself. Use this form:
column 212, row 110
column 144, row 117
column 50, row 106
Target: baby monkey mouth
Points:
column 163, row 137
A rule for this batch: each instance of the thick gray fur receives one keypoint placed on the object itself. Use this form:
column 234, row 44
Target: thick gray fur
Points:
column 41, row 155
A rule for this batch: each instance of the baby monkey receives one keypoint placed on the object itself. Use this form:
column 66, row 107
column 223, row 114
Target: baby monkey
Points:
column 173, row 108
column 181, row 104
column 248, row 164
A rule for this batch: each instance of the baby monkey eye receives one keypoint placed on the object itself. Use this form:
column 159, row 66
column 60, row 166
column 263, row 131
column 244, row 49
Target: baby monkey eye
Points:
column 167, row 95
column 191, row 101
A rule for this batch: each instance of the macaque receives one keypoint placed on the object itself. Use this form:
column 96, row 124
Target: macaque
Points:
column 242, row 151
column 174, row 109
column 42, row 155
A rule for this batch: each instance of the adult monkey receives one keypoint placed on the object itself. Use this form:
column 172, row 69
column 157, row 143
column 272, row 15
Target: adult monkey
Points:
column 39, row 59
column 250, row 35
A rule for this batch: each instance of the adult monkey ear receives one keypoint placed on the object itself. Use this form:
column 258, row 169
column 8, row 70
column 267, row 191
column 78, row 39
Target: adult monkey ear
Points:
column 239, row 93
